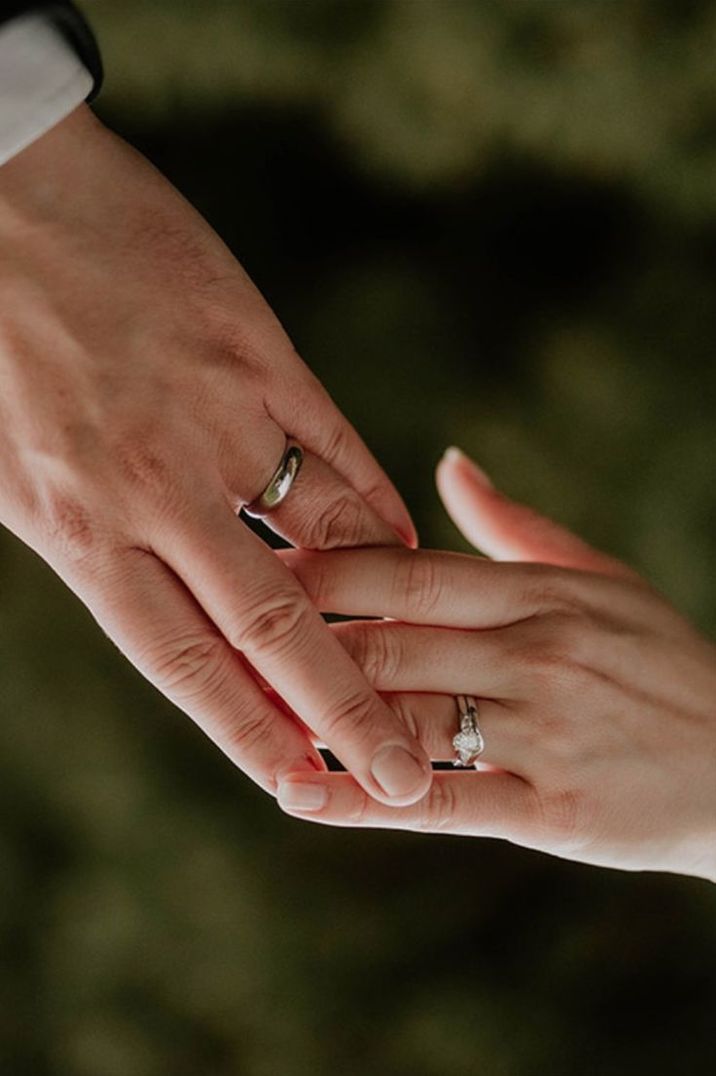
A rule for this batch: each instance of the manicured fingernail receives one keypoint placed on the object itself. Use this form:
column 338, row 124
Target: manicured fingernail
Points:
column 396, row 771
column 453, row 454
column 407, row 537
column 398, row 519
column 456, row 455
column 301, row 796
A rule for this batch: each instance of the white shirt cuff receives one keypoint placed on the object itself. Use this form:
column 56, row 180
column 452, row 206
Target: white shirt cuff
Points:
column 41, row 81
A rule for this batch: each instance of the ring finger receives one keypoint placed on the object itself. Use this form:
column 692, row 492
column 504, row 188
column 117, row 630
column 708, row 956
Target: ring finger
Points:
column 322, row 511
column 435, row 719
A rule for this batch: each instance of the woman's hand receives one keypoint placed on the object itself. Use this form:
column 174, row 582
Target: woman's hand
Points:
column 597, row 699
column 147, row 394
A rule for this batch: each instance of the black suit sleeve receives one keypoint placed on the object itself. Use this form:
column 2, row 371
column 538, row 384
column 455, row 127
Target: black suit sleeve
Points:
column 71, row 24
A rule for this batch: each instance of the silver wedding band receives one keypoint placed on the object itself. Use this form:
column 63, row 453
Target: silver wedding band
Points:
column 469, row 742
column 280, row 483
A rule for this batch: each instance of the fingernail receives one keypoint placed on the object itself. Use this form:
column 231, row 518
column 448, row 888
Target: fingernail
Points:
column 407, row 537
column 402, row 525
column 301, row 796
column 453, row 454
column 396, row 771
column 398, row 519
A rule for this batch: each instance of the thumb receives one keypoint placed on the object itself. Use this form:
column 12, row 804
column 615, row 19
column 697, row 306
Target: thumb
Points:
column 505, row 530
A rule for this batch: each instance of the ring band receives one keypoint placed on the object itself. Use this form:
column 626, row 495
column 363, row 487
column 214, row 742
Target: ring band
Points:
column 281, row 481
column 469, row 742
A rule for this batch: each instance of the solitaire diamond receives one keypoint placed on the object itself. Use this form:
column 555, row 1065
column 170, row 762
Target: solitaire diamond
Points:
column 468, row 743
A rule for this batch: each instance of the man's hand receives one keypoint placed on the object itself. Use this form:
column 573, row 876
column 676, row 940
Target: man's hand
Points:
column 146, row 393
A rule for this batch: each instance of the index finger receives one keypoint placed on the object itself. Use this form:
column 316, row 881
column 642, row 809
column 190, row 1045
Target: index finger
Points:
column 453, row 590
column 419, row 586
column 262, row 611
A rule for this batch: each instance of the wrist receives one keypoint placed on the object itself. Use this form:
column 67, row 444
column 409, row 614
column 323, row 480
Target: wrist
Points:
column 36, row 185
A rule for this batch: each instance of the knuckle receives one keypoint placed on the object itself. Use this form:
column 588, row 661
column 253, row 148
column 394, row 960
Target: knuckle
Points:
column 438, row 810
column 561, row 813
column 354, row 713
column 139, row 462
column 251, row 734
column 231, row 348
column 374, row 492
column 377, row 649
column 552, row 589
column 562, row 641
column 271, row 623
column 336, row 443
column 189, row 667
column 404, row 711
column 418, row 583
column 316, row 578
column 337, row 524
column 70, row 529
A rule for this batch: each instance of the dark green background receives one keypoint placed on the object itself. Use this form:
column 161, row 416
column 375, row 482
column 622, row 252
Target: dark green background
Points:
column 485, row 223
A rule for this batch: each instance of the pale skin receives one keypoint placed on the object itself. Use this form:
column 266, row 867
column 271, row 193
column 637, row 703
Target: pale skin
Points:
column 597, row 698
column 146, row 394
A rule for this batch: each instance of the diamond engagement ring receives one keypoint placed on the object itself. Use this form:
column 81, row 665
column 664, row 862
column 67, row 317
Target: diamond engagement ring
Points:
column 468, row 743
column 281, row 481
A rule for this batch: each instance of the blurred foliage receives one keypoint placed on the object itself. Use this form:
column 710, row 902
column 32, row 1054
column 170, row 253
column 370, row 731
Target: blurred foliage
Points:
column 488, row 223
column 428, row 90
